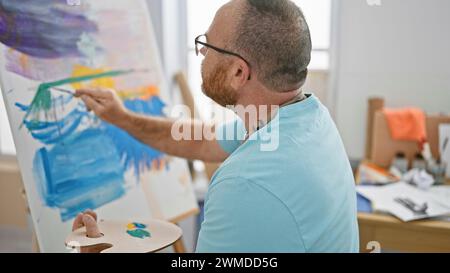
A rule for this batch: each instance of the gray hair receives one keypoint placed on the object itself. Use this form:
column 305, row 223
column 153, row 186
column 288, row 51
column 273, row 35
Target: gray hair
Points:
column 274, row 37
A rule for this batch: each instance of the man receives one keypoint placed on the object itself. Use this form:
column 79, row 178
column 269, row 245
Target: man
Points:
column 297, row 196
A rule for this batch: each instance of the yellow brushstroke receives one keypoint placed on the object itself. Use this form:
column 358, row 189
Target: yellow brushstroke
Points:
column 158, row 164
column 184, row 179
column 144, row 92
column 80, row 71
column 148, row 92
column 162, row 164
column 24, row 61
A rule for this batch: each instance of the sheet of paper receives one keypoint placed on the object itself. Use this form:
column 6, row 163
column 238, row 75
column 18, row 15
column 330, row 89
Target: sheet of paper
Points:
column 388, row 199
column 441, row 192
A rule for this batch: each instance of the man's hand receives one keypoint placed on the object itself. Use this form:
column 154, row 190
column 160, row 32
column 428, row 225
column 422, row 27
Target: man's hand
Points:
column 105, row 103
column 88, row 219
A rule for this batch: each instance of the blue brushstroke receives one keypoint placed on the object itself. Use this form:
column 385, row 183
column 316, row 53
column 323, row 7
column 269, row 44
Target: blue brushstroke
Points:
column 84, row 172
column 51, row 132
column 54, row 132
column 133, row 153
column 22, row 107
column 78, row 170
column 44, row 28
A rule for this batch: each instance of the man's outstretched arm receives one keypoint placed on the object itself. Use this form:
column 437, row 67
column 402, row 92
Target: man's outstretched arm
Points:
column 153, row 131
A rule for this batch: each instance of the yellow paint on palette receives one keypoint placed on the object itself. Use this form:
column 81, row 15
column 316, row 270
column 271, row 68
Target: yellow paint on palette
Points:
column 131, row 226
column 80, row 71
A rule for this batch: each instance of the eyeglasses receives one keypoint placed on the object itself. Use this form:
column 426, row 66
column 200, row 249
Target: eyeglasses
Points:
column 201, row 39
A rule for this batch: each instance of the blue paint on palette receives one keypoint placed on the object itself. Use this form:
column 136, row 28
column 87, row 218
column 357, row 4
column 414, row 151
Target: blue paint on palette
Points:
column 139, row 225
column 82, row 172
column 134, row 154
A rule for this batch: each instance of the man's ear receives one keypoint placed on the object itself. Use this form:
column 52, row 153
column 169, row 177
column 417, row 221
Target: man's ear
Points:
column 240, row 74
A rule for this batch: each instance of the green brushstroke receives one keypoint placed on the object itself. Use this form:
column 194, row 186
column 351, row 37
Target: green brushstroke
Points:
column 42, row 101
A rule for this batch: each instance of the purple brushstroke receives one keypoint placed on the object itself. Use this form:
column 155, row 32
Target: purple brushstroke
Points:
column 44, row 28
column 3, row 23
column 38, row 69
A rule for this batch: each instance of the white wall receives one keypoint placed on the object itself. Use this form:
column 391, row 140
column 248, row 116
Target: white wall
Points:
column 399, row 50
column 169, row 22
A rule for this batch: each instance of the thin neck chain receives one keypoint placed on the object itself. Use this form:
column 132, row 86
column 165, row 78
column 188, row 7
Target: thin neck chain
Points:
column 261, row 124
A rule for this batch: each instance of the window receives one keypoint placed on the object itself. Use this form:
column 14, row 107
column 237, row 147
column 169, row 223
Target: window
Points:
column 318, row 16
column 6, row 140
column 317, row 13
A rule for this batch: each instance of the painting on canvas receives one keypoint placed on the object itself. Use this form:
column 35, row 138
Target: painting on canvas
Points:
column 70, row 160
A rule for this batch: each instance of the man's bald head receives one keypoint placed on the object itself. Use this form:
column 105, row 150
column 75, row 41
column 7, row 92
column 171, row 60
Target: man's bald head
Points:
column 274, row 37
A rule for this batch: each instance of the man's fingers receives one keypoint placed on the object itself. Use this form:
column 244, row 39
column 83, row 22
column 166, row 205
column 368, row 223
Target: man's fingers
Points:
column 96, row 93
column 89, row 219
column 91, row 213
column 92, row 229
column 78, row 222
column 91, row 104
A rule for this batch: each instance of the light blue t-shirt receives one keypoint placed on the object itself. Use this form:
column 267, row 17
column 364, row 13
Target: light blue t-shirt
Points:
column 289, row 188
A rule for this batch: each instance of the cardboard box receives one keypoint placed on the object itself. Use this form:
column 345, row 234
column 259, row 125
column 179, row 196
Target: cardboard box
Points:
column 384, row 148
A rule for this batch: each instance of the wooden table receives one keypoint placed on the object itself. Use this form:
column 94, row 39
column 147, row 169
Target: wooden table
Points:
column 395, row 235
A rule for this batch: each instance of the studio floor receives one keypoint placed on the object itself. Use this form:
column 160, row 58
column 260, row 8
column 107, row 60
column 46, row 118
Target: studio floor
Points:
column 17, row 240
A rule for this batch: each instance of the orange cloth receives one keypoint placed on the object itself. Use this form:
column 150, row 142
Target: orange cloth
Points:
column 407, row 124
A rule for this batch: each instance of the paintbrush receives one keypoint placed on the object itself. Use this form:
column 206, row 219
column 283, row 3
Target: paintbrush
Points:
column 67, row 91
column 101, row 75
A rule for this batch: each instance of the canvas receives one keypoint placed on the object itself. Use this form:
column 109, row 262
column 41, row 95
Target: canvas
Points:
column 71, row 160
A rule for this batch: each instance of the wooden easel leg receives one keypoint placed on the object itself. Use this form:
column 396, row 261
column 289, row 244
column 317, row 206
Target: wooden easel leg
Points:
column 34, row 241
column 35, row 244
column 178, row 246
column 375, row 104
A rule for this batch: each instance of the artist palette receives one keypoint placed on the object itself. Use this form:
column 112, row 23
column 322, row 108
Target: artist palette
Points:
column 128, row 236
